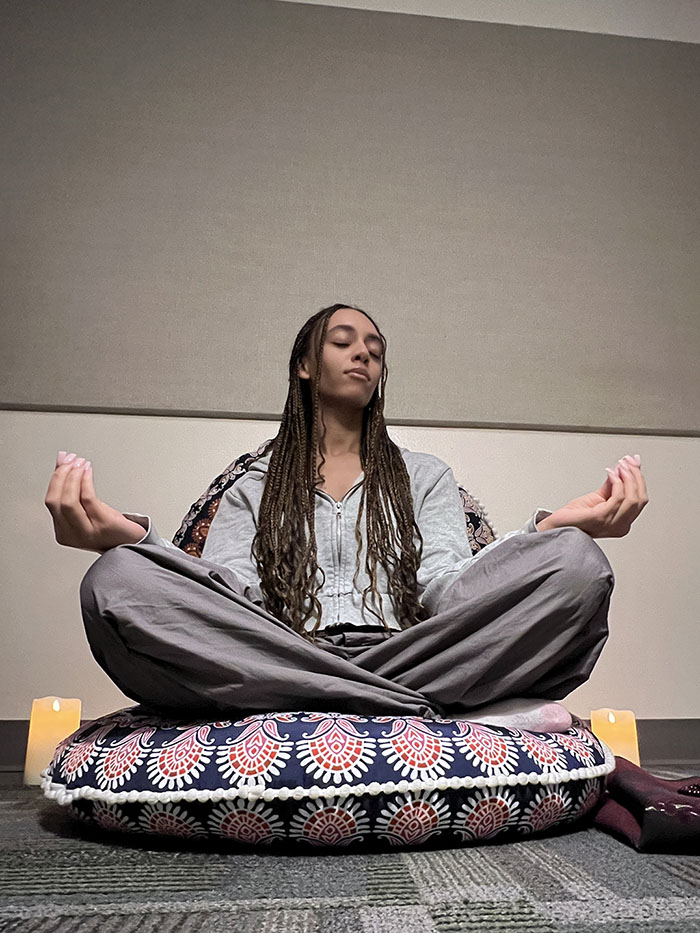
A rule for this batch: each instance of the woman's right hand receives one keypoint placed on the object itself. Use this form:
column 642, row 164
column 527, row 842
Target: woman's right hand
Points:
column 80, row 519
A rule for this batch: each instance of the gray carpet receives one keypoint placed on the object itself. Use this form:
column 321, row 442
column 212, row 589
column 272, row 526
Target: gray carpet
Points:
column 59, row 876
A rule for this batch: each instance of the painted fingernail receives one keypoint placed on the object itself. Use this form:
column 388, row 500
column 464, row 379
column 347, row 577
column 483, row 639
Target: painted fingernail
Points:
column 624, row 466
column 79, row 462
column 611, row 473
column 69, row 458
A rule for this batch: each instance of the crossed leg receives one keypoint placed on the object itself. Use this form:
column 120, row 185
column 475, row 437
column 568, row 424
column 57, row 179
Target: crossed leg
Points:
column 527, row 620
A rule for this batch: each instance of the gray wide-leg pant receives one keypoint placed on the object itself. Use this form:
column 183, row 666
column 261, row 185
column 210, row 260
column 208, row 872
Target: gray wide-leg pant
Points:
column 174, row 633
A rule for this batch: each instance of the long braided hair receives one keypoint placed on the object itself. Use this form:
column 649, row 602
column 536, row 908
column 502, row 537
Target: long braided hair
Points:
column 286, row 557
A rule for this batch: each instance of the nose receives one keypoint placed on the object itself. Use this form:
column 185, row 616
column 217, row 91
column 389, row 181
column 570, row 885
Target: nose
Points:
column 362, row 354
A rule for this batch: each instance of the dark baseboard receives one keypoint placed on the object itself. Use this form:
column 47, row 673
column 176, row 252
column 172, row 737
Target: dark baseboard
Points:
column 661, row 741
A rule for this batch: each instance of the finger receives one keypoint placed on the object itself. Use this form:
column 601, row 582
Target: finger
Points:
column 641, row 485
column 614, row 503
column 635, row 463
column 616, row 484
column 54, row 493
column 88, row 497
column 633, row 502
column 633, row 475
column 70, row 505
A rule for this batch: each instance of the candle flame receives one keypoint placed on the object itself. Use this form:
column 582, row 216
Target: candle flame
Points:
column 611, row 717
column 56, row 706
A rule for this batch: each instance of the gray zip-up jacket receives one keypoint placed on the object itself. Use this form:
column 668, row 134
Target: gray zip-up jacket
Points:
column 438, row 512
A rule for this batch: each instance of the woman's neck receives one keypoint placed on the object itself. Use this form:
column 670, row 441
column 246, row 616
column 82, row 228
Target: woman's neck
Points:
column 343, row 435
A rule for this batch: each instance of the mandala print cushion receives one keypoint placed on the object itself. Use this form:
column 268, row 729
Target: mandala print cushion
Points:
column 326, row 779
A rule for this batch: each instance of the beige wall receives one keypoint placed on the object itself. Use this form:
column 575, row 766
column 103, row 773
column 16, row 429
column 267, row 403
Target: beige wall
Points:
column 161, row 465
column 653, row 19
column 517, row 206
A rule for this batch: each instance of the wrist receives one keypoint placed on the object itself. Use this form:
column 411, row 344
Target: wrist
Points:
column 546, row 524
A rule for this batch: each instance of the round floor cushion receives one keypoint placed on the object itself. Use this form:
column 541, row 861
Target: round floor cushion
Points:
column 326, row 779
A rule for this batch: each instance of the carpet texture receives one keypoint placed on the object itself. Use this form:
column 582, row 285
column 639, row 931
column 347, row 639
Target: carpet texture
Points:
column 58, row 875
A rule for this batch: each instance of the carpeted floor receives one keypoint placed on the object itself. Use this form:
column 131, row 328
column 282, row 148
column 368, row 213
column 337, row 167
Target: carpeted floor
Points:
column 59, row 876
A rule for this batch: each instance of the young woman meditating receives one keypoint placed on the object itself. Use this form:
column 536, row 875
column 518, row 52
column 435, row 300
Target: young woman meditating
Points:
column 337, row 573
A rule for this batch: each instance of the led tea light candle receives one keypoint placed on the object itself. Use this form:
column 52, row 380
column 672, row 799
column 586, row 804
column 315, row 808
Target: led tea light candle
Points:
column 618, row 729
column 53, row 719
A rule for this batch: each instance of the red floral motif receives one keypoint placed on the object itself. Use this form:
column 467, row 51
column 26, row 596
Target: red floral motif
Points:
column 589, row 798
column 169, row 820
column 412, row 821
column 336, row 751
column 122, row 760
column 488, row 816
column 246, row 821
column 416, row 751
column 256, row 755
column 110, row 817
column 491, row 751
column 81, row 755
column 325, row 824
column 74, row 737
column 543, row 752
column 578, row 749
column 548, row 808
column 181, row 760
column 488, row 813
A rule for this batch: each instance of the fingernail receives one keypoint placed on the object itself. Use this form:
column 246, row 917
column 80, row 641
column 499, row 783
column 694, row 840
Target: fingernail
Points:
column 611, row 473
column 69, row 458
column 88, row 465
column 79, row 462
column 624, row 466
column 61, row 454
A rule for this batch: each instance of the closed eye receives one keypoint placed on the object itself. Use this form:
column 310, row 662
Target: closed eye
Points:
column 375, row 355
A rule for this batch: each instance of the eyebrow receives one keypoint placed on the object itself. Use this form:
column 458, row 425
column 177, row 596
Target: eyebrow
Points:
column 349, row 327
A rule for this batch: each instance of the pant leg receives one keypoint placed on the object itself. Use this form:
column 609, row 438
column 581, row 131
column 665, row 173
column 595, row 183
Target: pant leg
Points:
column 174, row 633
column 528, row 619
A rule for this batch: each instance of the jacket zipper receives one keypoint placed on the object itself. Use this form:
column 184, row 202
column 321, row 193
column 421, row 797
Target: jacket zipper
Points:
column 338, row 538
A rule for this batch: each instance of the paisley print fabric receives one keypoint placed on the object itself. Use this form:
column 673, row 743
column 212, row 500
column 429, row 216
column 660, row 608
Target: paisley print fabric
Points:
column 326, row 779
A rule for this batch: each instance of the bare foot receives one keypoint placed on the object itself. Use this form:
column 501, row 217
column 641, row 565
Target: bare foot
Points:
column 526, row 713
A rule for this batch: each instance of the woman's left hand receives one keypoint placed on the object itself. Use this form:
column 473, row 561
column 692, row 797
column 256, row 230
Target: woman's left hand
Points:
column 609, row 511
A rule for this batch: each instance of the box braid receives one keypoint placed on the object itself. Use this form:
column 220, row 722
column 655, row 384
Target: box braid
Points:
column 285, row 557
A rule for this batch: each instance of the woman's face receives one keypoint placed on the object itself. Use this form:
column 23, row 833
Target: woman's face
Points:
column 352, row 343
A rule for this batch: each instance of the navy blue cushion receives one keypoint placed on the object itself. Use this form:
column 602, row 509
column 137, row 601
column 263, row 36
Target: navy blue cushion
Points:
column 326, row 779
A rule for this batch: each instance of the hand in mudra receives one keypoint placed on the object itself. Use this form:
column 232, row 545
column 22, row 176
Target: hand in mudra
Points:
column 80, row 519
column 609, row 511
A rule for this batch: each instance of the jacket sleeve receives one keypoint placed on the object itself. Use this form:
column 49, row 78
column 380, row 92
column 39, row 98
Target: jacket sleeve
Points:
column 446, row 549
column 151, row 536
column 228, row 542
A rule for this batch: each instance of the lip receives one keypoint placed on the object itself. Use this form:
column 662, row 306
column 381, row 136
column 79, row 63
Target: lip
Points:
column 359, row 372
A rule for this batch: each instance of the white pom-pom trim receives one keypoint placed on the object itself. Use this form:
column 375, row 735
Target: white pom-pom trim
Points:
column 63, row 796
